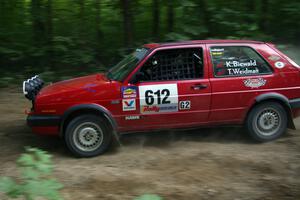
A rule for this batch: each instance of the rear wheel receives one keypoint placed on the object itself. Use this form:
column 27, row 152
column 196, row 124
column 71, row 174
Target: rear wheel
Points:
column 88, row 135
column 267, row 121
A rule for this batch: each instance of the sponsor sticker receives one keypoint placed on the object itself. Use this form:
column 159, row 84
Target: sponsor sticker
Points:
column 132, row 117
column 157, row 109
column 279, row 65
column 274, row 58
column 90, row 87
column 129, row 104
column 129, row 92
column 184, row 105
column 115, row 102
column 217, row 51
column 158, row 98
column 255, row 82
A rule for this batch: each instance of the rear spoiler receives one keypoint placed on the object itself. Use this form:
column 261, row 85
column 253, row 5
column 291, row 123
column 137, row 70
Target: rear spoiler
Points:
column 32, row 86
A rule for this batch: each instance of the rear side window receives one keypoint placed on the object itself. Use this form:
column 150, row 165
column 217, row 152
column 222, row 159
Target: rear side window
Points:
column 237, row 61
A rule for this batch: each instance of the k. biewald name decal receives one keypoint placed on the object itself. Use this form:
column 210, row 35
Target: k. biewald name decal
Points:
column 251, row 63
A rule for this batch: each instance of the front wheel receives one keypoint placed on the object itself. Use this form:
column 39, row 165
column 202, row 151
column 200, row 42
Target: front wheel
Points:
column 267, row 121
column 87, row 136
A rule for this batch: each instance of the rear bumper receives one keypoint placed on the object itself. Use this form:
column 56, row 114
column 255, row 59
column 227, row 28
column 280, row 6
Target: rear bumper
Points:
column 43, row 120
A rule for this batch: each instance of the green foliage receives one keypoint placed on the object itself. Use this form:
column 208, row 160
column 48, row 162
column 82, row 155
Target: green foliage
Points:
column 71, row 38
column 36, row 168
column 148, row 197
column 177, row 37
column 6, row 81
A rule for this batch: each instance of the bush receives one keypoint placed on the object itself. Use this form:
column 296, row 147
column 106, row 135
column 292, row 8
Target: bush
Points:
column 148, row 197
column 36, row 168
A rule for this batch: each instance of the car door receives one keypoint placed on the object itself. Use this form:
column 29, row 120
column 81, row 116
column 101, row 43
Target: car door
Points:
column 175, row 93
column 239, row 74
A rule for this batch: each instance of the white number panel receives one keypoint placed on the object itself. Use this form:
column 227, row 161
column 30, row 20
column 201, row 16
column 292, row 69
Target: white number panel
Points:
column 158, row 98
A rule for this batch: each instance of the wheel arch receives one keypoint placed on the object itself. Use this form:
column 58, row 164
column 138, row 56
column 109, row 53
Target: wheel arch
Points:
column 283, row 100
column 86, row 109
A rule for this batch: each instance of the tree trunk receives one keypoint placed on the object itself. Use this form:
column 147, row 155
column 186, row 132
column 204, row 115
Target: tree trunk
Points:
column 156, row 19
column 38, row 25
column 49, row 26
column 98, row 21
column 205, row 15
column 82, row 19
column 127, row 22
column 170, row 17
column 263, row 23
column 99, row 34
column 250, row 10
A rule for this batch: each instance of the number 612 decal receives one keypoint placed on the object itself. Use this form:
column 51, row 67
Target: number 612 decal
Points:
column 160, row 95
column 158, row 98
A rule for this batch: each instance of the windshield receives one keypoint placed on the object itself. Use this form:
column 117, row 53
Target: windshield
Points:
column 123, row 68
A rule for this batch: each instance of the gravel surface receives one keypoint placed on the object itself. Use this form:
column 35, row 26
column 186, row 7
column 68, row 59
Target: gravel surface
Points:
column 217, row 163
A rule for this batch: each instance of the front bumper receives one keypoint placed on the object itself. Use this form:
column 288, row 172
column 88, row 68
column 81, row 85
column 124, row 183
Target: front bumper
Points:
column 43, row 120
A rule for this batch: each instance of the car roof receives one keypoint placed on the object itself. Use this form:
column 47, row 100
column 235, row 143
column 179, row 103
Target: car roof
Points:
column 191, row 42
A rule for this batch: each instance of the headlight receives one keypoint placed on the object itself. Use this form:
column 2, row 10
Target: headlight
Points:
column 32, row 86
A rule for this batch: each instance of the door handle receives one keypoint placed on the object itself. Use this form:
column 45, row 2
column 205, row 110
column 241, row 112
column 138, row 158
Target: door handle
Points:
column 199, row 86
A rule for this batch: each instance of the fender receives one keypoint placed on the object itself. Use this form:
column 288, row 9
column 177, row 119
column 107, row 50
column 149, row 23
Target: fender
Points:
column 273, row 95
column 93, row 107
column 283, row 99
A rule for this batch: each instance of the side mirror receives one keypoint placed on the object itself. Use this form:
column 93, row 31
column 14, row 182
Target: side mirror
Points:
column 138, row 77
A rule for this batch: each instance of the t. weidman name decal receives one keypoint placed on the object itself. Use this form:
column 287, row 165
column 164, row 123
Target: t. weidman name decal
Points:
column 239, row 71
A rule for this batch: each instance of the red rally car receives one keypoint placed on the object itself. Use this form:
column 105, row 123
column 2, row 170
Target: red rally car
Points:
column 171, row 85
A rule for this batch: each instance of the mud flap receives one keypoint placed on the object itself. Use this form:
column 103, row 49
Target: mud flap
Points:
column 117, row 137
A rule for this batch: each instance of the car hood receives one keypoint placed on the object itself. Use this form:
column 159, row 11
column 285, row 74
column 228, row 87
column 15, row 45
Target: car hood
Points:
column 74, row 84
column 86, row 88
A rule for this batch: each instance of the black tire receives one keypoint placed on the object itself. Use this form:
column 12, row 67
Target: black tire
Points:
column 265, row 115
column 88, row 136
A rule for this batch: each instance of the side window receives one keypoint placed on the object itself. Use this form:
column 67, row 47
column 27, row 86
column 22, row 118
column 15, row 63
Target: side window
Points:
column 174, row 64
column 237, row 61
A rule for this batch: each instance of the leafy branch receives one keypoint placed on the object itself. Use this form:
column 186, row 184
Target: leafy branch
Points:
column 36, row 168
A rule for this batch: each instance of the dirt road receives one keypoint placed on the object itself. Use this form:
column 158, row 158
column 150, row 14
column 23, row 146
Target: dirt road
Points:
column 200, row 164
